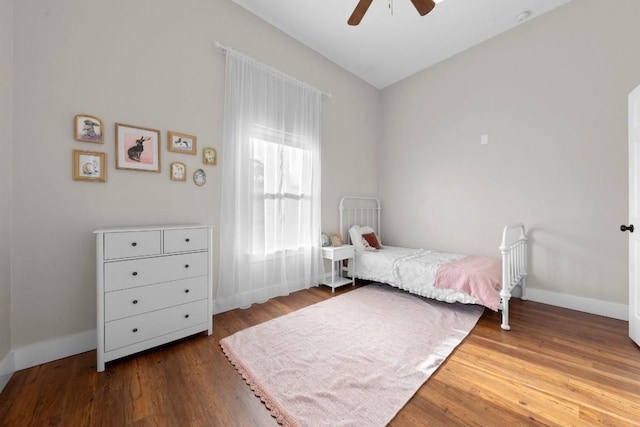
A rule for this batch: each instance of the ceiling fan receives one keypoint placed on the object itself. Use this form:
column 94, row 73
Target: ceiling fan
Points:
column 423, row 7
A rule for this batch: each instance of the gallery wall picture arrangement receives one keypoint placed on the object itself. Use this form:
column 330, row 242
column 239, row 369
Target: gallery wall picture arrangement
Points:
column 88, row 128
column 182, row 143
column 178, row 171
column 137, row 148
column 89, row 166
column 209, row 156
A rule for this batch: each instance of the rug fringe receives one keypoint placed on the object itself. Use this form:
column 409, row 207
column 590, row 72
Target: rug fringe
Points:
column 276, row 411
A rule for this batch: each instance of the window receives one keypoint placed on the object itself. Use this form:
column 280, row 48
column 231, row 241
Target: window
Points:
column 282, row 181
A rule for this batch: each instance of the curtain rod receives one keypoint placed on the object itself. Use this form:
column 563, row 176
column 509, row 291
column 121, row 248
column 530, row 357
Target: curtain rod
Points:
column 225, row 48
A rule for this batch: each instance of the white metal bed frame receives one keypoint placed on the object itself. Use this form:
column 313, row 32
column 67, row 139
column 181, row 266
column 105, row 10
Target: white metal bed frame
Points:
column 359, row 210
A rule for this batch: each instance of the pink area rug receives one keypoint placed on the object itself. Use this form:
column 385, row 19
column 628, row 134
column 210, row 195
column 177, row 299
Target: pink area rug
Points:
column 352, row 360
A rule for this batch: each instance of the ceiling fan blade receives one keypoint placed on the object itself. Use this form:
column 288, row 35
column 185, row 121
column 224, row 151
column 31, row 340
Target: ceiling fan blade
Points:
column 424, row 6
column 359, row 11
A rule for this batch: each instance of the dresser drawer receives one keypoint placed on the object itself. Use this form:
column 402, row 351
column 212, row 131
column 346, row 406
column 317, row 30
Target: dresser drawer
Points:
column 187, row 239
column 147, row 271
column 131, row 244
column 142, row 299
column 131, row 330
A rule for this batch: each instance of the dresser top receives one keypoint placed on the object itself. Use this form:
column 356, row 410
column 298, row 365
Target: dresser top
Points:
column 150, row 228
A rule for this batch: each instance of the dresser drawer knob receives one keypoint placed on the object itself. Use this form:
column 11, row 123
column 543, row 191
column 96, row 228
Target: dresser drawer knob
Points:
column 186, row 240
column 186, row 316
column 135, row 301
column 135, row 273
column 134, row 244
column 135, row 329
column 186, row 291
column 186, row 266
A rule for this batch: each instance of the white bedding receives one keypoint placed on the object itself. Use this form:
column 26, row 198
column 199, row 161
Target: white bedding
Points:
column 412, row 270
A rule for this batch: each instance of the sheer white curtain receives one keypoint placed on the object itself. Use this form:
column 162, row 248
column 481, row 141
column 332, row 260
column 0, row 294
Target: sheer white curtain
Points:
column 270, row 217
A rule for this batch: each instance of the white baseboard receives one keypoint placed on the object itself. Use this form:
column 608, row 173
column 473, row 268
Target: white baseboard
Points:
column 57, row 348
column 587, row 305
column 7, row 368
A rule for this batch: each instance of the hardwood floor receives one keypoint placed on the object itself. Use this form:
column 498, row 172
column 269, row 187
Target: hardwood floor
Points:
column 555, row 367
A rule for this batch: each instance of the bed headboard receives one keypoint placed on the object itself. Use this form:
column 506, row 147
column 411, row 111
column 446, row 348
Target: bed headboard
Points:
column 358, row 210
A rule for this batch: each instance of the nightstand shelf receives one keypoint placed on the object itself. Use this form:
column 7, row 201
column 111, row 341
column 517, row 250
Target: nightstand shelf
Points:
column 336, row 254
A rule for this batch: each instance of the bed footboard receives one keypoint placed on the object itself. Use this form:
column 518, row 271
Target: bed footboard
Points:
column 514, row 266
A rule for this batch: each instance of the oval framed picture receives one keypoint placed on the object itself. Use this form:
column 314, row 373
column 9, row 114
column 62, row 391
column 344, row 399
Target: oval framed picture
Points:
column 199, row 177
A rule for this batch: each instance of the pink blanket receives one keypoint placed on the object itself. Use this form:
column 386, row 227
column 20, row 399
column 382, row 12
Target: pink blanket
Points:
column 478, row 276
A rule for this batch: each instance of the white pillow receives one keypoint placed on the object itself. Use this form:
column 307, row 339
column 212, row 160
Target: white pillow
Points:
column 356, row 238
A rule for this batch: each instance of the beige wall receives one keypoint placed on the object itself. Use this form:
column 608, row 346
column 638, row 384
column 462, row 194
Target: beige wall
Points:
column 153, row 64
column 5, row 178
column 552, row 95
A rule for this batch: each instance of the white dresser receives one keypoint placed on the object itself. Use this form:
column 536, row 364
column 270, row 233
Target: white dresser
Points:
column 154, row 286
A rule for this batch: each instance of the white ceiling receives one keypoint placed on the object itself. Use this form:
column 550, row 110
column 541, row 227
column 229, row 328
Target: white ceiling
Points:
column 386, row 48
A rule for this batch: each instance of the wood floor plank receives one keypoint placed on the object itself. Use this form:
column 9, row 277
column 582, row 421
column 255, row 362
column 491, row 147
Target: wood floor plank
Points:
column 556, row 367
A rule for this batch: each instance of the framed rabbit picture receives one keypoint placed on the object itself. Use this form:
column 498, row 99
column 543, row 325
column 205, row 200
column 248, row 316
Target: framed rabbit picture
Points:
column 88, row 128
column 89, row 166
column 137, row 148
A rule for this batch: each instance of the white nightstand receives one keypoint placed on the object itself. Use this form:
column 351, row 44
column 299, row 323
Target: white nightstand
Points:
column 336, row 254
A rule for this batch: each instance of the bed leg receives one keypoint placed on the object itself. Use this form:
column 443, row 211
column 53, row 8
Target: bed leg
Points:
column 505, row 313
column 523, row 288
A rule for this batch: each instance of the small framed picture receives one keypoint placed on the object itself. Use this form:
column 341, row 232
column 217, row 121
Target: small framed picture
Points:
column 182, row 143
column 336, row 239
column 89, row 166
column 137, row 148
column 324, row 238
column 178, row 171
column 199, row 177
column 209, row 156
column 87, row 128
